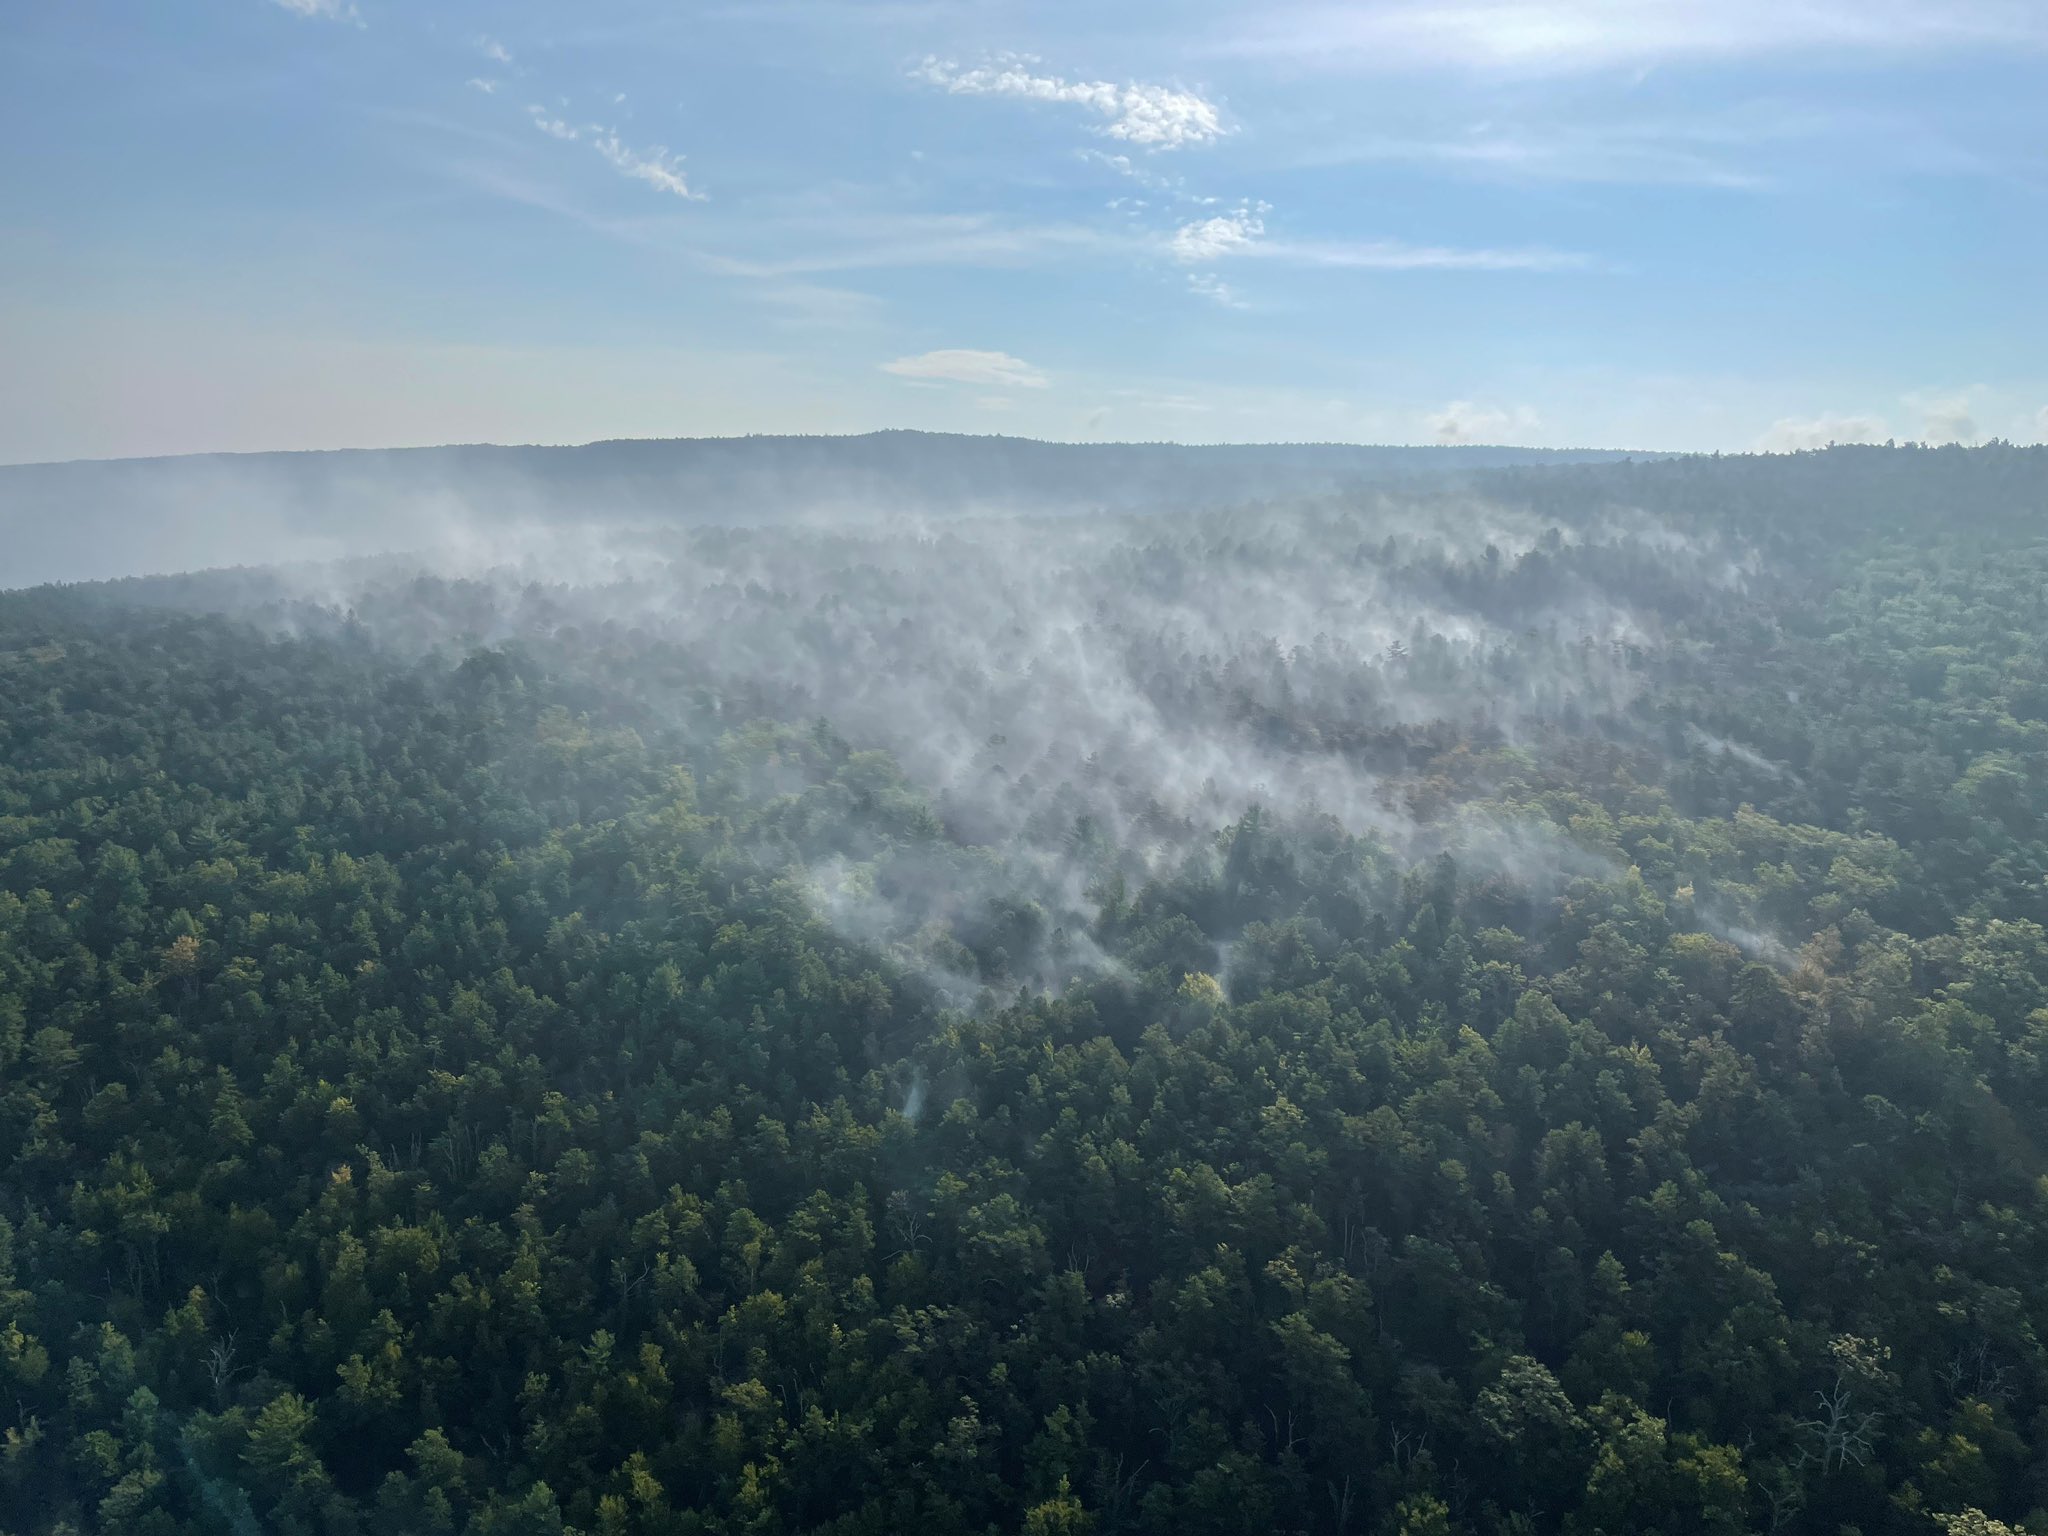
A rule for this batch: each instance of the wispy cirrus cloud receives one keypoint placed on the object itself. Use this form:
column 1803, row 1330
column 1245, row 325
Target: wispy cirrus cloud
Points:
column 1761, row 141
column 785, row 251
column 554, row 127
column 1242, row 233
column 1209, row 286
column 1151, row 400
column 1153, row 116
column 1400, row 256
column 1622, row 156
column 1174, row 188
column 789, row 301
column 916, row 240
column 323, row 10
column 962, row 365
column 1564, row 36
column 656, row 166
column 814, row 307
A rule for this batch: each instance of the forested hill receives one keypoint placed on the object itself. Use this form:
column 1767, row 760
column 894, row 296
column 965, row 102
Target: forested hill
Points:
column 1514, row 1011
column 87, row 520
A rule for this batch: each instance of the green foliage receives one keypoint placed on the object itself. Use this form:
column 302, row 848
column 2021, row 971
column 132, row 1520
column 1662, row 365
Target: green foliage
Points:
column 435, row 1097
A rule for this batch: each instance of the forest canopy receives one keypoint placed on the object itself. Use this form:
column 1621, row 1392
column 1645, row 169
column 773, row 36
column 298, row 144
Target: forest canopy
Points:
column 1500, row 1006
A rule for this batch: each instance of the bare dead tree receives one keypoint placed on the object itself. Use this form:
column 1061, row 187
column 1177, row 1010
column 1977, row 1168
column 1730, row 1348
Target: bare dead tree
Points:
column 1340, row 1504
column 906, row 1225
column 1116, row 1488
column 1408, row 1445
column 1173, row 1408
column 1972, row 1373
column 220, row 1367
column 1838, row 1436
column 1785, row 1498
column 628, row 1282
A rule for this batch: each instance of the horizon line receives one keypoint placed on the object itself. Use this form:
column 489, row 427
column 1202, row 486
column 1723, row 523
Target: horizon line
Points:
column 742, row 437
column 1003, row 437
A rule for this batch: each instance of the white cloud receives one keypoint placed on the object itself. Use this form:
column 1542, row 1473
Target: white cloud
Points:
column 488, row 87
column 554, row 127
column 1559, row 36
column 494, row 50
column 325, row 10
column 965, row 366
column 1792, row 434
column 2041, row 425
column 1174, row 187
column 657, row 167
column 1212, row 287
column 1461, row 421
column 1154, row 116
column 1121, row 164
column 1945, row 418
column 1224, row 234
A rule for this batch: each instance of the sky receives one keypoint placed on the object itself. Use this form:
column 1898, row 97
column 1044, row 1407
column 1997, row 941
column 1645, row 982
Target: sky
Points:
column 231, row 225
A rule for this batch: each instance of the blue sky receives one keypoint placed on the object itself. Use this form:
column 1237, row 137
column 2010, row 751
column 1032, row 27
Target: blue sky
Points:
column 243, row 224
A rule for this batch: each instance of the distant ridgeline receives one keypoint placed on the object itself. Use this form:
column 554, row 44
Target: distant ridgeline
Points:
column 94, row 519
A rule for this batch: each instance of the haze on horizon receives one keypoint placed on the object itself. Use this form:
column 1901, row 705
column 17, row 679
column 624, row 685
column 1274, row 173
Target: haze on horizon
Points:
column 1671, row 224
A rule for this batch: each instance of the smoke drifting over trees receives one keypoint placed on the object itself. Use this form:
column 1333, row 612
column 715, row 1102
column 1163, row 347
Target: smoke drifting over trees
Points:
column 87, row 521
column 1087, row 697
column 1335, row 1003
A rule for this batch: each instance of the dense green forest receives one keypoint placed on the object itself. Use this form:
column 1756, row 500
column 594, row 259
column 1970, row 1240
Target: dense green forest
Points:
column 1503, row 1009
